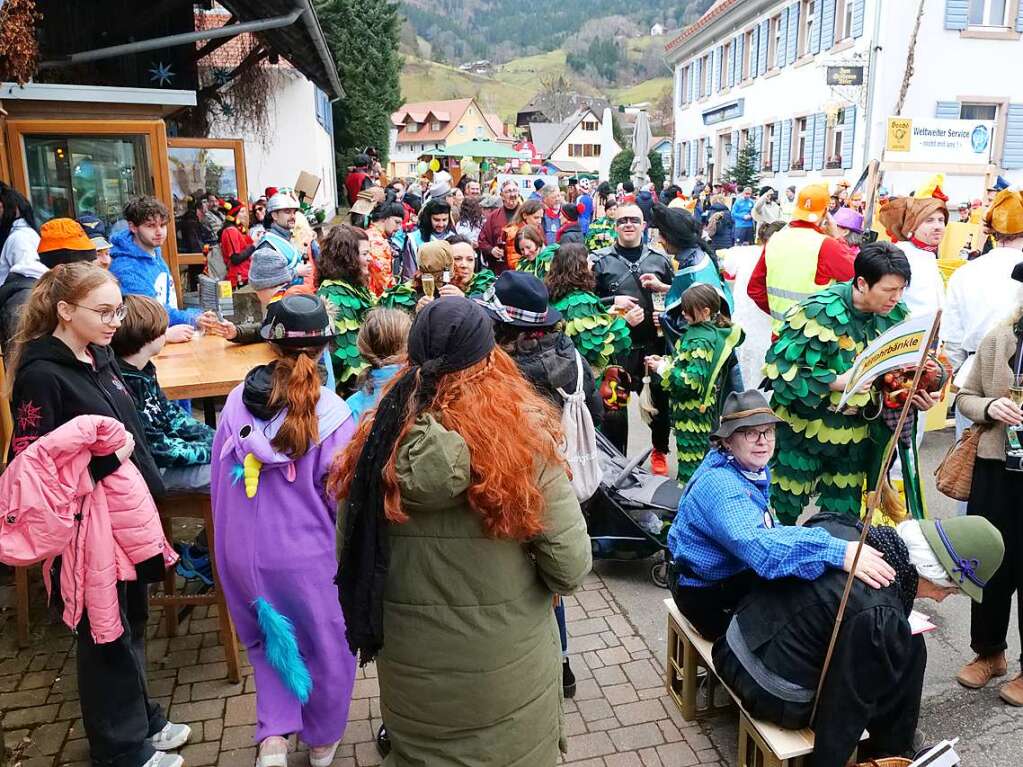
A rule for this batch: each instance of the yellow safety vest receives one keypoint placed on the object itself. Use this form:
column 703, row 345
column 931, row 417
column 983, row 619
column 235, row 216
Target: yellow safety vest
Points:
column 791, row 258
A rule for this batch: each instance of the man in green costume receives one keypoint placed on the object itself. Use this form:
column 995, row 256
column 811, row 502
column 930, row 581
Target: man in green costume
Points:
column 821, row 450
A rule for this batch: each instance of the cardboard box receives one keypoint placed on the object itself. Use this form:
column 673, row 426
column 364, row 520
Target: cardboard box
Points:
column 308, row 183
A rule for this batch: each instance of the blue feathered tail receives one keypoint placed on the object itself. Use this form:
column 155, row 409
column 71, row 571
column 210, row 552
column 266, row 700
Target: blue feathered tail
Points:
column 281, row 649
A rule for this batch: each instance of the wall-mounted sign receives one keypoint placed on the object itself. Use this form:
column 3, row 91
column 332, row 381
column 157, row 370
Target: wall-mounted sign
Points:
column 934, row 140
column 728, row 111
column 845, row 75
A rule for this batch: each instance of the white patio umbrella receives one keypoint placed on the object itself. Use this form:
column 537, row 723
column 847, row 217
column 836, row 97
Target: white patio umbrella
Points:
column 641, row 140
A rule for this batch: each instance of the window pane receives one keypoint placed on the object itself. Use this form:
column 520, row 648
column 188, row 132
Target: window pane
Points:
column 976, row 11
column 978, row 111
column 996, row 17
column 192, row 169
column 72, row 175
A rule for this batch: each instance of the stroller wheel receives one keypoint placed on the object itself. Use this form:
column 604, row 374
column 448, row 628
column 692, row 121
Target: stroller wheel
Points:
column 659, row 574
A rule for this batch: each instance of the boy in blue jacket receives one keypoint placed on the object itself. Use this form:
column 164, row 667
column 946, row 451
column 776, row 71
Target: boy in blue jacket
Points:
column 139, row 267
column 742, row 216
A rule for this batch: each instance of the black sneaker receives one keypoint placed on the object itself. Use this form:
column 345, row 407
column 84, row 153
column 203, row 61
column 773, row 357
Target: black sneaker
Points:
column 567, row 679
column 383, row 742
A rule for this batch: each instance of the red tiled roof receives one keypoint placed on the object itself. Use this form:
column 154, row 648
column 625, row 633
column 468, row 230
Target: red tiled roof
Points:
column 714, row 12
column 232, row 53
column 448, row 113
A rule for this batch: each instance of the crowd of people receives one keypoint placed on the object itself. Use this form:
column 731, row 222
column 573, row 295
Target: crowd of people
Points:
column 400, row 466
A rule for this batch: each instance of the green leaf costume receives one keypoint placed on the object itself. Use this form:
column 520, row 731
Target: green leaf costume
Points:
column 601, row 234
column 402, row 296
column 820, row 450
column 692, row 380
column 351, row 302
column 599, row 335
column 480, row 282
column 540, row 264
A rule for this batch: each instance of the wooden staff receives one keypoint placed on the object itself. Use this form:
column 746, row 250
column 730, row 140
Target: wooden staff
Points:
column 872, row 501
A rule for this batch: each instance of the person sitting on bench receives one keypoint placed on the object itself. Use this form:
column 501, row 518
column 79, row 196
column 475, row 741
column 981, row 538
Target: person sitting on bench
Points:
column 775, row 646
column 725, row 537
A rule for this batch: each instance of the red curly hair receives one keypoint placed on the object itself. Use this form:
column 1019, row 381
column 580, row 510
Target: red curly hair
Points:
column 507, row 428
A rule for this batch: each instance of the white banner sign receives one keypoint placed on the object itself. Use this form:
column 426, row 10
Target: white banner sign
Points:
column 933, row 140
column 525, row 183
column 901, row 346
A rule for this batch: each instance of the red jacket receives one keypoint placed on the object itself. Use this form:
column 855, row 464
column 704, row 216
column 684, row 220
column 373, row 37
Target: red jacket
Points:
column 50, row 507
column 492, row 235
column 355, row 182
column 834, row 263
column 233, row 240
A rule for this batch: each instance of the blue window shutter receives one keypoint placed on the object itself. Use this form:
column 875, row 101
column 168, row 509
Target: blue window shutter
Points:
column 779, row 54
column 680, row 97
column 793, row 33
column 957, row 14
column 754, row 52
column 740, row 54
column 765, row 31
column 758, row 142
column 732, row 50
column 786, row 145
column 827, row 24
column 694, row 161
column 947, row 110
column 715, row 69
column 815, row 38
column 819, row 133
column 849, row 136
column 735, row 149
column 1019, row 18
column 857, row 18
column 776, row 151
column 697, row 80
column 1012, row 149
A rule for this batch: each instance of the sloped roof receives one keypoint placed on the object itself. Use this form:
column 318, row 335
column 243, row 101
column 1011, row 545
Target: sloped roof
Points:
column 715, row 11
column 495, row 123
column 544, row 135
column 447, row 112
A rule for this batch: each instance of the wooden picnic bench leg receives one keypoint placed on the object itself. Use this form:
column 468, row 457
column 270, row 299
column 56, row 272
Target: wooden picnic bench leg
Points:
column 22, row 605
column 761, row 755
column 170, row 583
column 228, row 637
column 690, row 679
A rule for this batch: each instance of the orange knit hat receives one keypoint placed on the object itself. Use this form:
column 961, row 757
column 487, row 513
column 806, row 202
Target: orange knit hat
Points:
column 63, row 234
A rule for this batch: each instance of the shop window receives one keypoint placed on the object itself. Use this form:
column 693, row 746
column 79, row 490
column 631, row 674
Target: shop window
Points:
column 978, row 111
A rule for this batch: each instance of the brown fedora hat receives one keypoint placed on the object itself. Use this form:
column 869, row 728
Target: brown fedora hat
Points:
column 744, row 408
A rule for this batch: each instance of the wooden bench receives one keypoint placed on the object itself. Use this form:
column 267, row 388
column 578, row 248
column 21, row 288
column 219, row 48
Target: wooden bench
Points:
column 761, row 744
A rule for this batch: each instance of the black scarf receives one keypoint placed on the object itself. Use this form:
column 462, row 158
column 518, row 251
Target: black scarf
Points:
column 450, row 334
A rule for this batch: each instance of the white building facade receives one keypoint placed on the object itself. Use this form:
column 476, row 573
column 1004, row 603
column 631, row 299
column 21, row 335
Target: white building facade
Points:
column 755, row 71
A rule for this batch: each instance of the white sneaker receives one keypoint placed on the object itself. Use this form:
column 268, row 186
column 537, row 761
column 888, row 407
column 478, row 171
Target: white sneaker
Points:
column 172, row 736
column 322, row 756
column 273, row 752
column 160, row 759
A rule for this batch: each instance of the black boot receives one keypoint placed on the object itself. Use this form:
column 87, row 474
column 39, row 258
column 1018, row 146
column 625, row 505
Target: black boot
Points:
column 567, row 679
column 383, row 742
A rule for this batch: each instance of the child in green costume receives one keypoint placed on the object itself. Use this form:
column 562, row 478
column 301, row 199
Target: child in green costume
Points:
column 692, row 376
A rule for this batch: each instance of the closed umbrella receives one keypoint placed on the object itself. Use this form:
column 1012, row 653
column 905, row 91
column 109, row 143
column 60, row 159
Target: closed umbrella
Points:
column 641, row 140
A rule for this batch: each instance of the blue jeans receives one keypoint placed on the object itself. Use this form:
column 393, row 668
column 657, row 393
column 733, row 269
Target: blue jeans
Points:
column 744, row 235
column 559, row 615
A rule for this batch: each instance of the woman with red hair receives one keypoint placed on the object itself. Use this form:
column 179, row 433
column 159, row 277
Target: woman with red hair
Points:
column 457, row 525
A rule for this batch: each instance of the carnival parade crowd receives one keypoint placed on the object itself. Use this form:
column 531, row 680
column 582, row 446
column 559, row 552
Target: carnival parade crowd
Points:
column 407, row 482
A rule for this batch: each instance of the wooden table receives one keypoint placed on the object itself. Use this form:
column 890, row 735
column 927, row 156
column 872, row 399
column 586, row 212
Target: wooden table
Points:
column 207, row 366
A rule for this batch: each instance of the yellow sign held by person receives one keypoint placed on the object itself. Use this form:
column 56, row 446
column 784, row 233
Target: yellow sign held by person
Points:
column 902, row 346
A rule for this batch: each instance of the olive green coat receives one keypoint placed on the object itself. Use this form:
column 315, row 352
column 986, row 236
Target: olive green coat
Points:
column 470, row 670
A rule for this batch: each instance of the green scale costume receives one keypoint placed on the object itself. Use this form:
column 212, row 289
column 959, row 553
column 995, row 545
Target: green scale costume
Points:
column 601, row 234
column 480, row 282
column 818, row 449
column 539, row 265
column 599, row 335
column 402, row 296
column 692, row 380
column 351, row 302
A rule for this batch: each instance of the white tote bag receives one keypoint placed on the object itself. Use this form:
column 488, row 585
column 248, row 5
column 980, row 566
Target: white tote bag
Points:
column 580, row 447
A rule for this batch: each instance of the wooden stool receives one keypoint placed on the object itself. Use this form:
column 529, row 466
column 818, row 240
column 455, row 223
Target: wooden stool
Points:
column 195, row 506
column 688, row 652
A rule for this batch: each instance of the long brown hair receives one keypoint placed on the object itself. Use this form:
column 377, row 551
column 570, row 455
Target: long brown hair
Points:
column 339, row 255
column 64, row 282
column 296, row 385
column 570, row 270
column 703, row 296
column 508, row 429
column 528, row 208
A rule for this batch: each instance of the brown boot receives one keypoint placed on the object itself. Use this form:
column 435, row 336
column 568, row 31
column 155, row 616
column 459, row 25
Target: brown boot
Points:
column 978, row 672
column 1012, row 692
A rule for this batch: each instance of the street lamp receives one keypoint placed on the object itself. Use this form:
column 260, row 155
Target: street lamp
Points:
column 710, row 164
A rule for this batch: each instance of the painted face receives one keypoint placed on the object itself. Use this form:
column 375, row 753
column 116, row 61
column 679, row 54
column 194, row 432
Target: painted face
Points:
column 464, row 258
column 86, row 316
column 752, row 446
column 151, row 233
column 931, row 229
column 883, row 295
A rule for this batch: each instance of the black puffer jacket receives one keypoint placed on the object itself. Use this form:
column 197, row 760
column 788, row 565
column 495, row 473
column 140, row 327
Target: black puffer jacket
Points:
column 548, row 362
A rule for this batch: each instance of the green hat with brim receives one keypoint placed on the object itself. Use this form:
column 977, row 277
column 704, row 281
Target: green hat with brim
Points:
column 969, row 548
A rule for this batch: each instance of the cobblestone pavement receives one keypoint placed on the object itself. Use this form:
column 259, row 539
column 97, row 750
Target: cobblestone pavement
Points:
column 620, row 716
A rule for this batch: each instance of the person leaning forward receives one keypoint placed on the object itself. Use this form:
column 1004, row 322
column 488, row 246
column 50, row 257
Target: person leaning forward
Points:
column 774, row 648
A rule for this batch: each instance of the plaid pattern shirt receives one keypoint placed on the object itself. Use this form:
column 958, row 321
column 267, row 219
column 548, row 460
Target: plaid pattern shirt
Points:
column 724, row 526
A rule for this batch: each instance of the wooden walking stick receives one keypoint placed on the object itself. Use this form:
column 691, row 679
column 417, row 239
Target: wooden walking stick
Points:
column 873, row 499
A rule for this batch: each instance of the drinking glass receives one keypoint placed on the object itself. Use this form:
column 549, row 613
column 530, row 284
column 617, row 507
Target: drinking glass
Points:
column 429, row 285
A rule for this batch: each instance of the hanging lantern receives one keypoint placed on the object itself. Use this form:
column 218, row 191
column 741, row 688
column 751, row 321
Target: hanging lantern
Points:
column 435, row 165
column 422, row 167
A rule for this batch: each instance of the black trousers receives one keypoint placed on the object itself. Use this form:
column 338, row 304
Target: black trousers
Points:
column 116, row 710
column 615, row 425
column 710, row 608
column 995, row 495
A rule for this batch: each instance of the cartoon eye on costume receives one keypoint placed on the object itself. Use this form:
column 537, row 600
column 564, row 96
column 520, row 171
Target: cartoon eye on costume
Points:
column 245, row 431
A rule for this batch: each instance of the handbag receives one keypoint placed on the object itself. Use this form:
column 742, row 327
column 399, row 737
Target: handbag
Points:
column 954, row 475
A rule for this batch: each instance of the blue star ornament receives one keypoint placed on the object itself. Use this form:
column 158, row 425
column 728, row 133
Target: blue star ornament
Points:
column 161, row 74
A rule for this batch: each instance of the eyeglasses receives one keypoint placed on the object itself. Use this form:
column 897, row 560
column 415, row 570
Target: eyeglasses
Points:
column 106, row 316
column 752, row 436
column 628, row 220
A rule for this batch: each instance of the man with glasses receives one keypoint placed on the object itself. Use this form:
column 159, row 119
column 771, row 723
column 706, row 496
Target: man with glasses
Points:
column 492, row 237
column 619, row 271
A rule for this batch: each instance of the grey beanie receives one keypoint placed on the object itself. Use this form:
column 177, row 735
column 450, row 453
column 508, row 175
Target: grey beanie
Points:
column 269, row 269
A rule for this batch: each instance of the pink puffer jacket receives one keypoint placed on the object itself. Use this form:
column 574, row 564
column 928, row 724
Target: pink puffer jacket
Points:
column 50, row 507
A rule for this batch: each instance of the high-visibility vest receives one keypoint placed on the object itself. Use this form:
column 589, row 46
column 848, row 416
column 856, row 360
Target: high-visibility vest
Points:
column 791, row 257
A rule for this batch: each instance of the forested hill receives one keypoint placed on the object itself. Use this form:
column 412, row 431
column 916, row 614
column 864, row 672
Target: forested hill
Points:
column 500, row 30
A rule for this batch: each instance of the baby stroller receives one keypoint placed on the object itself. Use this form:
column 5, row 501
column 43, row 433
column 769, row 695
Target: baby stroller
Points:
column 629, row 515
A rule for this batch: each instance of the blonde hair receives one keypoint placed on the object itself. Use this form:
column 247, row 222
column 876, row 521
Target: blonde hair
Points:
column 382, row 341
column 64, row 282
